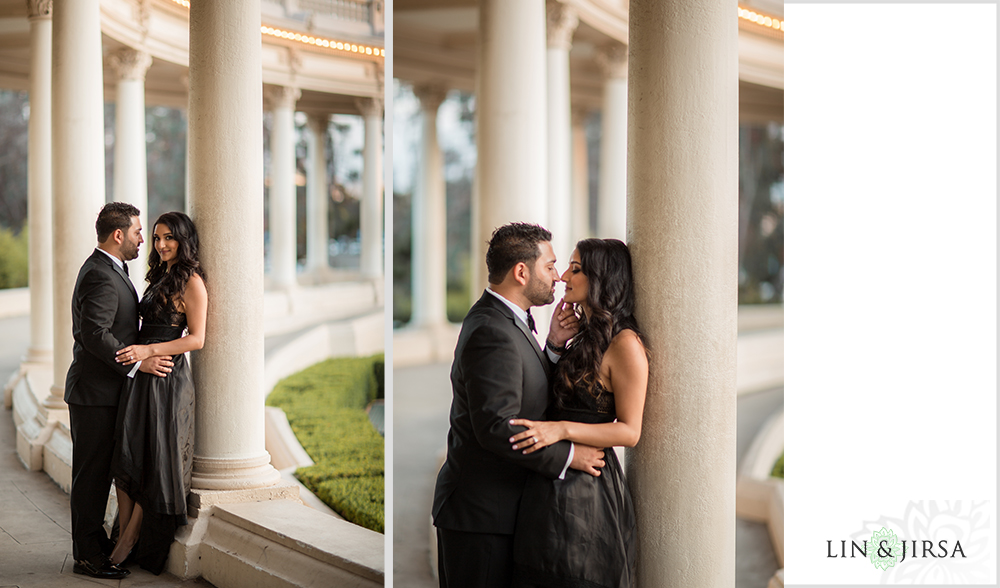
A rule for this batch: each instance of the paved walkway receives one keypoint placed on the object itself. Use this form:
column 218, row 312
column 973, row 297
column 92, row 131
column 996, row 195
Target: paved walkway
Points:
column 422, row 398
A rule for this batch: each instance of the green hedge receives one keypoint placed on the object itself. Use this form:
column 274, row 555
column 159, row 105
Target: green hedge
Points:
column 13, row 258
column 325, row 405
column 778, row 471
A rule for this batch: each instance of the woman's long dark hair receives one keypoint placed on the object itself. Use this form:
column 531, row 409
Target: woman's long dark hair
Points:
column 611, row 304
column 171, row 283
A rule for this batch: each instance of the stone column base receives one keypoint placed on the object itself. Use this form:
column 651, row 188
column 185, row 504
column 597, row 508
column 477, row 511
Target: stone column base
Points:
column 227, row 474
column 28, row 365
column 266, row 538
column 201, row 500
column 25, row 394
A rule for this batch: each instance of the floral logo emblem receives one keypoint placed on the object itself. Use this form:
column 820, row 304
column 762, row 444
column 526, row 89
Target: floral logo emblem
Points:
column 886, row 549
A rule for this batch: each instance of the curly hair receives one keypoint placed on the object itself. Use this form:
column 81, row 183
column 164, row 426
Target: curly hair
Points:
column 172, row 283
column 512, row 244
column 611, row 306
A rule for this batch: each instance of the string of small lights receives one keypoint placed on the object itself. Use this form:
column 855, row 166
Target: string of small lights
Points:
column 744, row 13
column 321, row 42
column 764, row 21
column 344, row 46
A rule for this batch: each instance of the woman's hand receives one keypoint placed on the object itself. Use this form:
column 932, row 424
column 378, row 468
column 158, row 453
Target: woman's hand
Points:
column 133, row 353
column 539, row 434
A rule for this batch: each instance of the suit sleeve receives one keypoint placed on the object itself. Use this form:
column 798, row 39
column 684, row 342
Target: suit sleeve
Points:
column 98, row 307
column 492, row 368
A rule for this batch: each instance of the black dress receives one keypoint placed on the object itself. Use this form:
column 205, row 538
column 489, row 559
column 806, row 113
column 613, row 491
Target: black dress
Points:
column 579, row 531
column 154, row 439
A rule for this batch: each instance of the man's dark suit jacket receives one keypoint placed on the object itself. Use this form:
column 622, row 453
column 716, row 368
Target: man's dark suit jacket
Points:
column 105, row 319
column 499, row 373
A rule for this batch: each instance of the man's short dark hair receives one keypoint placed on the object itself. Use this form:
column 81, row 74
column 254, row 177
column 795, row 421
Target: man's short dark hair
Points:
column 114, row 216
column 512, row 244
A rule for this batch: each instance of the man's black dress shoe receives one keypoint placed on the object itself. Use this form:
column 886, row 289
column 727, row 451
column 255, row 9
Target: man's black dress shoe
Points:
column 105, row 571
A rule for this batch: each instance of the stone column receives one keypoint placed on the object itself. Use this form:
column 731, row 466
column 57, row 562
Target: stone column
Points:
column 581, row 178
column 561, row 23
column 40, row 182
column 371, row 199
column 682, row 231
column 510, row 121
column 130, row 65
column 317, row 196
column 281, row 203
column 613, row 59
column 430, row 220
column 226, row 158
column 77, row 162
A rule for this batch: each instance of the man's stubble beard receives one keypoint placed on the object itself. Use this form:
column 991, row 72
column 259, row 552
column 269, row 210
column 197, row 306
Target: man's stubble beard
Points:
column 538, row 293
column 131, row 252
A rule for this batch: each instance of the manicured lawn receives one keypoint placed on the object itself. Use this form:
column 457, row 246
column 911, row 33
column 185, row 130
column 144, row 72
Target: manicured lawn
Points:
column 325, row 405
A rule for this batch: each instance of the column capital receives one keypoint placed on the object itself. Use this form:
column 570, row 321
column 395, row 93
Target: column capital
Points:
column 129, row 63
column 431, row 95
column 369, row 106
column 281, row 97
column 613, row 60
column 318, row 123
column 560, row 24
column 39, row 9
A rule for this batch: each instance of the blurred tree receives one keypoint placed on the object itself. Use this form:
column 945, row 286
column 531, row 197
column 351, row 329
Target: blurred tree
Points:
column 761, row 214
column 13, row 258
column 14, row 112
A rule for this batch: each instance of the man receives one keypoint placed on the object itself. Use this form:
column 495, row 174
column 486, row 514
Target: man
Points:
column 105, row 319
column 499, row 373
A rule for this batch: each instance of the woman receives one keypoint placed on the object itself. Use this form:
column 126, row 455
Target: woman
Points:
column 580, row 531
column 154, row 442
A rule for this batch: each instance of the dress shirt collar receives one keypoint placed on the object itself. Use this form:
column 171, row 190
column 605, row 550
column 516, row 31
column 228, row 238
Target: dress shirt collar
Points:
column 118, row 262
column 519, row 312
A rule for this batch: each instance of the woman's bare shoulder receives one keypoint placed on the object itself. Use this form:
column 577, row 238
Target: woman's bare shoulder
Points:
column 196, row 281
column 627, row 342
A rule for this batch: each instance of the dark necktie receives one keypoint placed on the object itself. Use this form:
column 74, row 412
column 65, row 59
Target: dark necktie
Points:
column 125, row 267
column 531, row 322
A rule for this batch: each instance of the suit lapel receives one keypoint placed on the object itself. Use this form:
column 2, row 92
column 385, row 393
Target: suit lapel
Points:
column 119, row 271
column 521, row 327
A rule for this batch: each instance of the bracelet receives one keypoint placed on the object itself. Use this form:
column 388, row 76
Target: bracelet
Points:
column 551, row 346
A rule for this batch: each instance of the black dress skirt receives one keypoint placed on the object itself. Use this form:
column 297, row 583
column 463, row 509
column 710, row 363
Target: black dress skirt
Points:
column 154, row 439
column 579, row 531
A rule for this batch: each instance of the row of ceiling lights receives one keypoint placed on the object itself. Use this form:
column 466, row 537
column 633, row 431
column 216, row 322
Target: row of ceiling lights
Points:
column 765, row 21
column 744, row 13
column 311, row 40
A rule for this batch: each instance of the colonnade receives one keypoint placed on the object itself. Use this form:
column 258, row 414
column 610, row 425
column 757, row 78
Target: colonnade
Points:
column 66, row 170
column 531, row 142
